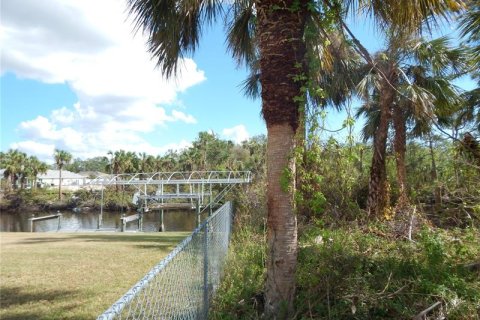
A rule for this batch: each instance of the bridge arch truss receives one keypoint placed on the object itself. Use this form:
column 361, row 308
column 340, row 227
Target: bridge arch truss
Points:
column 197, row 189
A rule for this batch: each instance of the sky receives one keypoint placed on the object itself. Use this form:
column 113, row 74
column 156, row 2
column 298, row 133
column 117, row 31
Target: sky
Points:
column 75, row 76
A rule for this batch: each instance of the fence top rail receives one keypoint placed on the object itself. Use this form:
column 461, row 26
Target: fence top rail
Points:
column 118, row 306
column 173, row 178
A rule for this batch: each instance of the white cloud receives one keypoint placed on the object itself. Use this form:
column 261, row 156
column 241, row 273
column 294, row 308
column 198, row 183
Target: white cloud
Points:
column 89, row 45
column 178, row 115
column 63, row 116
column 238, row 133
column 86, row 133
column 40, row 128
column 43, row 151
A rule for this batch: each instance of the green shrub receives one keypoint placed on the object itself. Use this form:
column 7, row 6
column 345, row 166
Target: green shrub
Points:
column 349, row 274
column 240, row 293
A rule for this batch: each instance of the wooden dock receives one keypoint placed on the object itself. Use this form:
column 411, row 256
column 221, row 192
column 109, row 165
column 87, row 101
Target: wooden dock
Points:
column 134, row 217
column 183, row 206
column 52, row 216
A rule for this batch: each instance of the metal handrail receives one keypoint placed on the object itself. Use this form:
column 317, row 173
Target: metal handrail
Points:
column 176, row 177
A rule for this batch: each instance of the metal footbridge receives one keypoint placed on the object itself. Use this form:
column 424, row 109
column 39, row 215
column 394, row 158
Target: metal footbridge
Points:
column 163, row 190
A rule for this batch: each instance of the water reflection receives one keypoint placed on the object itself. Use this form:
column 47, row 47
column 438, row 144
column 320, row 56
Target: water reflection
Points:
column 174, row 220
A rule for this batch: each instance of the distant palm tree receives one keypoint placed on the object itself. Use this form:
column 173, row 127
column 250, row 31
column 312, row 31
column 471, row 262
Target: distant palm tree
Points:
column 35, row 167
column 14, row 164
column 166, row 163
column 62, row 158
column 123, row 162
column 146, row 162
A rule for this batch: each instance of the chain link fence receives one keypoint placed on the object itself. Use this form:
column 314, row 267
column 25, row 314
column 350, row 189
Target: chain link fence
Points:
column 181, row 285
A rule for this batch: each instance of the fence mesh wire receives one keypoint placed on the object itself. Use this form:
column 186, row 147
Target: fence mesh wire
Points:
column 181, row 285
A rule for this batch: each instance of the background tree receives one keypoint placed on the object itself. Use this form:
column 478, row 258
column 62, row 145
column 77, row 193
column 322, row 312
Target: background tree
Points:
column 34, row 167
column 166, row 163
column 61, row 158
column 14, row 164
column 146, row 162
column 122, row 161
column 421, row 91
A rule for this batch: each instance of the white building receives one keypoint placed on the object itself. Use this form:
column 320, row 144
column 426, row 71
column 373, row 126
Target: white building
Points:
column 69, row 179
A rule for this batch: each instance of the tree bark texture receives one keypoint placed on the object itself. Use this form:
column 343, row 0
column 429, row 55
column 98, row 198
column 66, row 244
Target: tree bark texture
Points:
column 400, row 148
column 281, row 223
column 377, row 187
column 281, row 26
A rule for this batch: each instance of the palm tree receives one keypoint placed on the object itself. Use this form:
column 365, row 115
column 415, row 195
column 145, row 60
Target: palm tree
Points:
column 419, row 88
column 14, row 164
column 167, row 162
column 62, row 158
column 146, row 162
column 274, row 31
column 112, row 166
column 123, row 162
column 35, row 167
column 131, row 162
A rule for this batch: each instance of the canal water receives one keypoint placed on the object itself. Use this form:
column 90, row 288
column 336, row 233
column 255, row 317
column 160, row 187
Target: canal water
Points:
column 173, row 220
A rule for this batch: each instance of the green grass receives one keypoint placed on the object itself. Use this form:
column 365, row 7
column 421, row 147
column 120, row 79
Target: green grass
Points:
column 74, row 276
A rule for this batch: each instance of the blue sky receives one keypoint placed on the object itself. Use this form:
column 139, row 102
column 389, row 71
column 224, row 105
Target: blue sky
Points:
column 74, row 77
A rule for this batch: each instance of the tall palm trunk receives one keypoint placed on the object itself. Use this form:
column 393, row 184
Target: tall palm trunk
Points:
column 280, row 33
column 400, row 148
column 281, row 222
column 377, row 188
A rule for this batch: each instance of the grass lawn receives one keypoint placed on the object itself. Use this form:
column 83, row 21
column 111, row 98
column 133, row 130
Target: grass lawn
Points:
column 74, row 275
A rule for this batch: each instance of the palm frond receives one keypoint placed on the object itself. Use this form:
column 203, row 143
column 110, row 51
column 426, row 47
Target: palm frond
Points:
column 409, row 15
column 470, row 23
column 419, row 100
column 241, row 31
column 173, row 27
column 336, row 71
column 251, row 86
column 471, row 109
column 470, row 30
column 370, row 111
column 439, row 57
column 369, row 83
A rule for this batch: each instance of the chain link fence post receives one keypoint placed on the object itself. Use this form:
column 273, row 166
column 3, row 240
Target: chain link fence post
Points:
column 205, row 272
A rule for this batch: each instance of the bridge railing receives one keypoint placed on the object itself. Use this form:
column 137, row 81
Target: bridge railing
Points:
column 181, row 285
column 173, row 178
